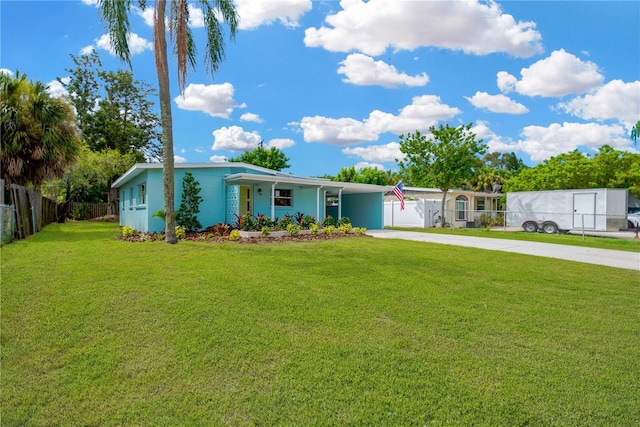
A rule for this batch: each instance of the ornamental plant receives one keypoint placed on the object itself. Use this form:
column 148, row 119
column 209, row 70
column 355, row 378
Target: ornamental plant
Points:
column 313, row 228
column 187, row 215
column 285, row 221
column 181, row 232
column 329, row 229
column 293, row 229
column 263, row 221
column 246, row 222
column 344, row 229
column 234, row 236
column 127, row 231
column 328, row 221
column 266, row 231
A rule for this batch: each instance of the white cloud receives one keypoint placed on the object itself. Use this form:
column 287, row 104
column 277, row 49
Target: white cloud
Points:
column 496, row 103
column 215, row 100
column 254, row 13
column 148, row 15
column 362, row 70
column 87, row 50
column 234, row 138
column 196, row 17
column 471, row 26
column 217, row 159
column 362, row 165
column 541, row 142
column 281, row 143
column 616, row 100
column 377, row 153
column 137, row 44
column 6, row 71
column 345, row 131
column 90, row 2
column 424, row 111
column 179, row 159
column 57, row 89
column 558, row 75
column 251, row 117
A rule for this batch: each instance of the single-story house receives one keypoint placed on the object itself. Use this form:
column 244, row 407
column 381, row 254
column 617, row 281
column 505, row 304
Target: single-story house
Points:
column 463, row 208
column 231, row 189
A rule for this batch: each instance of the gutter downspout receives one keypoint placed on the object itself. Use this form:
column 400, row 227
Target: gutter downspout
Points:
column 339, row 204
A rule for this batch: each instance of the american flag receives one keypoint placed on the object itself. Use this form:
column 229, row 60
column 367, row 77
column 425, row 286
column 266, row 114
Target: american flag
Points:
column 399, row 193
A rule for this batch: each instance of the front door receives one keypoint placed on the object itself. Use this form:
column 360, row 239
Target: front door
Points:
column 246, row 200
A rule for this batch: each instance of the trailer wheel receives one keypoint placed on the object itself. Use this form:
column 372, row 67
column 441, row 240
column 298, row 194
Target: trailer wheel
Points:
column 549, row 227
column 530, row 226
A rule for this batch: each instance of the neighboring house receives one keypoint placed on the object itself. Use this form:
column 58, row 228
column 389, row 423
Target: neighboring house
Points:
column 232, row 189
column 423, row 206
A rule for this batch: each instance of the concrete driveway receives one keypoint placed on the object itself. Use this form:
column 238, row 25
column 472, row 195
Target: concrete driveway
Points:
column 609, row 258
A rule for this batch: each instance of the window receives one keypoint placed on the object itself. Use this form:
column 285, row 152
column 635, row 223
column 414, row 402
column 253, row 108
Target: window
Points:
column 283, row 198
column 142, row 194
column 480, row 204
column 461, row 208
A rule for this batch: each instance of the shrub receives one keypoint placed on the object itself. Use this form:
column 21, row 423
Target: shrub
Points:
column 187, row 215
column 313, row 228
column 285, row 221
column 234, row 235
column 329, row 229
column 263, row 221
column 246, row 222
column 344, row 220
column 344, row 228
column 220, row 229
column 293, row 229
column 127, row 231
column 328, row 221
column 181, row 232
column 266, row 231
column 144, row 237
column 306, row 221
column 359, row 230
column 80, row 212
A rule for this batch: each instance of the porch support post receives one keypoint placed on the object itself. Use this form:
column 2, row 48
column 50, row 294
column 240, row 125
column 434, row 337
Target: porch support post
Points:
column 324, row 204
column 273, row 196
column 318, row 204
column 339, row 204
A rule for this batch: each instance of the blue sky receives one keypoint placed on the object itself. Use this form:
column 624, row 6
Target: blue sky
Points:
column 333, row 83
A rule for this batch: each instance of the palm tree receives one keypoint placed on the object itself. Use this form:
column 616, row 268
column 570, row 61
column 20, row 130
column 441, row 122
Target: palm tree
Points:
column 115, row 14
column 635, row 132
column 38, row 132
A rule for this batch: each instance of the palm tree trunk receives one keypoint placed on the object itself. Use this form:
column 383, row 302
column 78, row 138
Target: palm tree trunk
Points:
column 166, row 121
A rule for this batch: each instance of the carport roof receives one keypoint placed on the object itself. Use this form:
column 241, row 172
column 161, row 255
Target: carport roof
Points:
column 302, row 182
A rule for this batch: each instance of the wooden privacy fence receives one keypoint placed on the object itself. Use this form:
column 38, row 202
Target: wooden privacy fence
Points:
column 28, row 211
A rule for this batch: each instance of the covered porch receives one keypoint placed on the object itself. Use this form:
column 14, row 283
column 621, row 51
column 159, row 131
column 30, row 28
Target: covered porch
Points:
column 280, row 195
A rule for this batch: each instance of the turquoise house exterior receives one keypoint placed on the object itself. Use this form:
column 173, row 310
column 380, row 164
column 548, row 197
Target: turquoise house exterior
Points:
column 231, row 189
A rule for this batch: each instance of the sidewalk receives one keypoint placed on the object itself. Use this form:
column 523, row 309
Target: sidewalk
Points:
column 609, row 258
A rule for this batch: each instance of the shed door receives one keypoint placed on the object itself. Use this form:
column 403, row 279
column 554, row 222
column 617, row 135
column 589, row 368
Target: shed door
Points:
column 584, row 207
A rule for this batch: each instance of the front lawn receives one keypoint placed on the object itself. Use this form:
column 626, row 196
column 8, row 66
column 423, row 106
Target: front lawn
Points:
column 357, row 331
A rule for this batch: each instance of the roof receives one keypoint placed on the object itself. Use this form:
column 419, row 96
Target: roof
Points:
column 138, row 168
column 265, row 176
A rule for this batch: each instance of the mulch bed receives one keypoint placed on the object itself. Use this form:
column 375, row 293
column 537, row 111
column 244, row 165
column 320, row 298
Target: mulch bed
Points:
column 209, row 238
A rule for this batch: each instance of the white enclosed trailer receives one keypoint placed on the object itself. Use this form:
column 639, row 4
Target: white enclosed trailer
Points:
column 598, row 209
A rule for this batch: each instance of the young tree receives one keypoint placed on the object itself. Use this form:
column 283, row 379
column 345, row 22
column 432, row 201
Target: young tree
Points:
column 635, row 132
column 272, row 158
column 187, row 215
column 38, row 133
column 115, row 13
column 449, row 157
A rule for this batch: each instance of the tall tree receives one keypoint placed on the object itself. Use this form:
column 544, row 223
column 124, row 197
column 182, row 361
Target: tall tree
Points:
column 609, row 168
column 635, row 132
column 114, row 109
column 448, row 158
column 116, row 14
column 38, row 132
column 272, row 158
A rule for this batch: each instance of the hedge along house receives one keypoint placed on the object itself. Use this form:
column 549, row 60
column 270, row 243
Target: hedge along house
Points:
column 230, row 189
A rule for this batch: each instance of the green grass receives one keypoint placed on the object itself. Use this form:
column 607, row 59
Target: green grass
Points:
column 356, row 331
column 629, row 245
